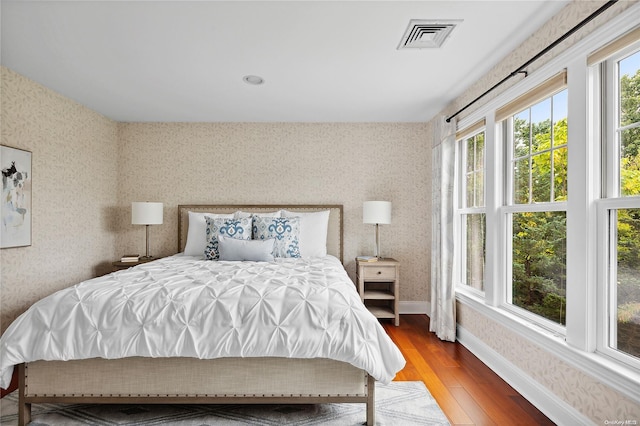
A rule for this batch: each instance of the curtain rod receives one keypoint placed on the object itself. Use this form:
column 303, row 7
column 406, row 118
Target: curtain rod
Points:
column 521, row 68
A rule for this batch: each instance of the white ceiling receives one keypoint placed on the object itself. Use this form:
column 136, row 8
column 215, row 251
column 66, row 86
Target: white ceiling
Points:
column 322, row 61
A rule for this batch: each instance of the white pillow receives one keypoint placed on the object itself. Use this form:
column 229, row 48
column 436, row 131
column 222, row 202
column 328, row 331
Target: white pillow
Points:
column 197, row 233
column 240, row 214
column 252, row 250
column 313, row 232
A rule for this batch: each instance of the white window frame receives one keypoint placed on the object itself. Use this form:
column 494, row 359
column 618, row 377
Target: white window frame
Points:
column 462, row 212
column 508, row 209
column 607, row 76
column 607, row 304
column 578, row 346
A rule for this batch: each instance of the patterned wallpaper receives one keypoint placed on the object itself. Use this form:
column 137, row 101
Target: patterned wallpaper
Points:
column 591, row 398
column 587, row 395
column 74, row 169
column 87, row 170
column 280, row 163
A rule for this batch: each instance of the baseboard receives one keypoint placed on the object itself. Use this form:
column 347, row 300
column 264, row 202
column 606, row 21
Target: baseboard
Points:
column 409, row 308
column 546, row 401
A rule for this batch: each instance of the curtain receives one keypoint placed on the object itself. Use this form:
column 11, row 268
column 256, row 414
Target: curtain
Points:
column 443, row 299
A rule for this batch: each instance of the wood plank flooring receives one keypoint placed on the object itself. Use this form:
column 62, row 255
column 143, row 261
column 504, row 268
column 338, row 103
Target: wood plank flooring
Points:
column 468, row 391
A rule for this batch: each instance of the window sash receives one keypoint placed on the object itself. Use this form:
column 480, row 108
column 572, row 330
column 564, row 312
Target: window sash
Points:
column 613, row 200
column 463, row 173
column 464, row 254
column 607, row 267
column 505, row 117
column 464, row 209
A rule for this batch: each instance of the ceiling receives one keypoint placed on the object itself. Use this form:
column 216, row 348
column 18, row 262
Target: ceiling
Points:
column 321, row 61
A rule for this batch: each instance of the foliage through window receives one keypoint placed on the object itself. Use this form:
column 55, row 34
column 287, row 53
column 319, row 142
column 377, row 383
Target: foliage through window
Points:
column 624, row 287
column 628, row 128
column 538, row 234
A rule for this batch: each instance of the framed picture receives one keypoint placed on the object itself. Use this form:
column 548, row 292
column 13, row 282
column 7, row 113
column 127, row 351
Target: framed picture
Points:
column 15, row 229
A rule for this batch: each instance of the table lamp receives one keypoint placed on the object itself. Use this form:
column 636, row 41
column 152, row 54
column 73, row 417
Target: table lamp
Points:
column 146, row 213
column 377, row 212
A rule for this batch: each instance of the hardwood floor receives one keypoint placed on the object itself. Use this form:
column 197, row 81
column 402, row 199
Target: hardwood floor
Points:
column 468, row 392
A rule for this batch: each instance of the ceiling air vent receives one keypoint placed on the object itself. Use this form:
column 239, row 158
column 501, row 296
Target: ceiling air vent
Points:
column 425, row 34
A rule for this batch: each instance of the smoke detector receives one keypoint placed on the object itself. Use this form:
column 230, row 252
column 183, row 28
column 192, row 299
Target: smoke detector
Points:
column 427, row 34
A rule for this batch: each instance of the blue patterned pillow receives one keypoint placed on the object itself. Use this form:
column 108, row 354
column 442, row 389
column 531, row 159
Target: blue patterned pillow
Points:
column 239, row 229
column 285, row 231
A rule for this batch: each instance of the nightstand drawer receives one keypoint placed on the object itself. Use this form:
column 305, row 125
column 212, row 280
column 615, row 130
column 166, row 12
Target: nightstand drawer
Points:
column 118, row 265
column 379, row 273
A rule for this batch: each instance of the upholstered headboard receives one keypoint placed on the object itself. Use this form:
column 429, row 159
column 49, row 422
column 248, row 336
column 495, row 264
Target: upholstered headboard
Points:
column 334, row 233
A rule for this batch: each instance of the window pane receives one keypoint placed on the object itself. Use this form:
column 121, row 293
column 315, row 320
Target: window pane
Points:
column 470, row 189
column 471, row 154
column 474, row 178
column 630, row 162
column 541, row 126
column 480, row 151
column 627, row 288
column 475, row 247
column 560, row 105
column 560, row 174
column 521, row 182
column 480, row 189
column 629, row 124
column 540, row 153
column 629, row 90
column 539, row 264
column 521, row 132
column 541, row 178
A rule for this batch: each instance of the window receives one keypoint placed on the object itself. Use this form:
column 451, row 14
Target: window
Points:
column 560, row 211
column 471, row 148
column 621, row 212
column 536, row 195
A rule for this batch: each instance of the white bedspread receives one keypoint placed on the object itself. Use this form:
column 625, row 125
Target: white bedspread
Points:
column 181, row 306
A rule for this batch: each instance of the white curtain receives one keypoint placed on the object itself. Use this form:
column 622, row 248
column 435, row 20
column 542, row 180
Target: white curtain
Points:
column 443, row 299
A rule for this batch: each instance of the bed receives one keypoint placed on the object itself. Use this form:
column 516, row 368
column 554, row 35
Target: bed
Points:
column 218, row 358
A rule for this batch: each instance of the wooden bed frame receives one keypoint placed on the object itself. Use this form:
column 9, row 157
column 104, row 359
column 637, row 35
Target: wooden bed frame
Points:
column 195, row 381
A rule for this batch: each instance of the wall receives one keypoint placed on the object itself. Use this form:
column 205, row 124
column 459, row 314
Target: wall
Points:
column 549, row 375
column 74, row 169
column 297, row 163
column 87, row 170
column 552, row 375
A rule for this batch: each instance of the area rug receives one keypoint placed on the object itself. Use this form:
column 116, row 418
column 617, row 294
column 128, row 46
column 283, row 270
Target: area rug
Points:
column 399, row 403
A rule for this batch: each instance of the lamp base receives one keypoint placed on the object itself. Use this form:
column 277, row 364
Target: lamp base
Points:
column 378, row 242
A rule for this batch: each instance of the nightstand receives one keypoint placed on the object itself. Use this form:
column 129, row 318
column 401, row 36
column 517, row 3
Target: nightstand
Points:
column 378, row 285
column 118, row 265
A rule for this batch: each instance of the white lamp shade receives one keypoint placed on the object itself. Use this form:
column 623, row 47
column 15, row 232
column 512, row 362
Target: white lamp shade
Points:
column 146, row 213
column 376, row 212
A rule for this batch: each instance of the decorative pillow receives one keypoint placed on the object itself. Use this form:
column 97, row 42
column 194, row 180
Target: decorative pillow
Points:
column 285, row 231
column 197, row 232
column 240, row 214
column 253, row 250
column 313, row 232
column 233, row 228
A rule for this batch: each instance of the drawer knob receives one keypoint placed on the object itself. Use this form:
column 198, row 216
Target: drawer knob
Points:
column 379, row 272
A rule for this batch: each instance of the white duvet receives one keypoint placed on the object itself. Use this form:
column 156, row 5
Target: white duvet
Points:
column 181, row 306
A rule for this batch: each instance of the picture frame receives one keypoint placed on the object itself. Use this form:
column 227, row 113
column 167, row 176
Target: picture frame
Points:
column 15, row 205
